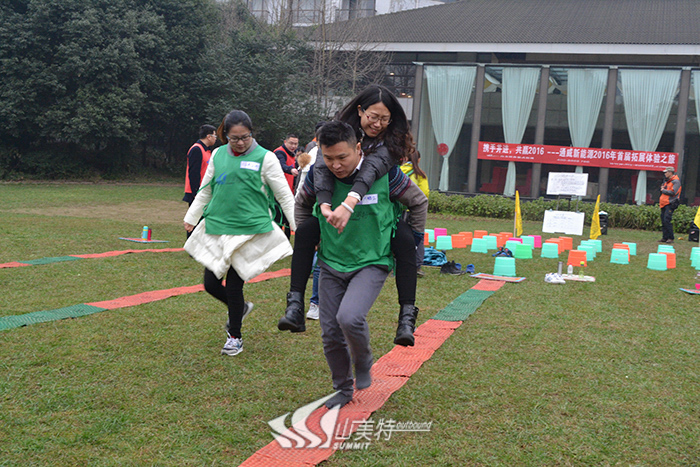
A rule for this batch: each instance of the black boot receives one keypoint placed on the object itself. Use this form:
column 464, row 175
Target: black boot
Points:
column 293, row 319
column 407, row 324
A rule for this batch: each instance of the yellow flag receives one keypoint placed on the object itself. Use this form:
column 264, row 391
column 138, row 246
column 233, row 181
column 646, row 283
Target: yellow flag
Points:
column 595, row 220
column 697, row 217
column 518, row 216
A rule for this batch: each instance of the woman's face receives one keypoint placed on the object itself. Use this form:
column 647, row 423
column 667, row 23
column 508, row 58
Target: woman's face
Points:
column 239, row 138
column 374, row 119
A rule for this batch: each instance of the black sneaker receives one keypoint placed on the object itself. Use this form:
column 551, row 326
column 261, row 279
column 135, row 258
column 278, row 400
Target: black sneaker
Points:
column 451, row 268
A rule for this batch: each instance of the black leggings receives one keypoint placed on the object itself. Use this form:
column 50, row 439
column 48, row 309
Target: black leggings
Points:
column 403, row 246
column 231, row 295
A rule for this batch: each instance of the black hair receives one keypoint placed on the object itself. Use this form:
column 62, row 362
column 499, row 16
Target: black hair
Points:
column 206, row 130
column 335, row 132
column 290, row 135
column 397, row 136
column 233, row 118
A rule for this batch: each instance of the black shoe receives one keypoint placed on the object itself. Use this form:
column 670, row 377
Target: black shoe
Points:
column 451, row 268
column 419, row 272
column 670, row 240
column 293, row 319
column 407, row 325
column 663, row 240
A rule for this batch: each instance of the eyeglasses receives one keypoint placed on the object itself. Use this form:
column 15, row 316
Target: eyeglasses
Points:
column 235, row 139
column 374, row 118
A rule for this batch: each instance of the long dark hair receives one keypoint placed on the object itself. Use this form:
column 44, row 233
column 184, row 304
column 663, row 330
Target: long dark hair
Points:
column 397, row 136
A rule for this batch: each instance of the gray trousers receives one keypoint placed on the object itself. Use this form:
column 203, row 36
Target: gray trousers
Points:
column 344, row 303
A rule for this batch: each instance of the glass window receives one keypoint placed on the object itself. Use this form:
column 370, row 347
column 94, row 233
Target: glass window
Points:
column 491, row 174
column 619, row 178
column 401, row 79
column 690, row 174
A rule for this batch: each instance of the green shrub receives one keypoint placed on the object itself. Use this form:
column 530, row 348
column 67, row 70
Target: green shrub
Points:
column 500, row 207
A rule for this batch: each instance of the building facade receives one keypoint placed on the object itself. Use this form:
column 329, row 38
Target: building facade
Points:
column 301, row 13
column 612, row 78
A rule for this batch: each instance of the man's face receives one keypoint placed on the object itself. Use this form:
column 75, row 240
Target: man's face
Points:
column 210, row 139
column 292, row 144
column 342, row 158
column 668, row 175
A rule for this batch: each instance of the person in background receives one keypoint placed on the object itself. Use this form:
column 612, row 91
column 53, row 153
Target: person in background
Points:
column 286, row 154
column 198, row 160
column 304, row 161
column 668, row 202
column 417, row 176
column 237, row 238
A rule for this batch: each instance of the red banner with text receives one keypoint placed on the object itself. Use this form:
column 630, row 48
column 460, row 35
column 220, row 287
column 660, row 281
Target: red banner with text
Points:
column 586, row 157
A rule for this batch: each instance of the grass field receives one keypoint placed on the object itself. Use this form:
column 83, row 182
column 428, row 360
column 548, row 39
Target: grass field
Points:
column 604, row 373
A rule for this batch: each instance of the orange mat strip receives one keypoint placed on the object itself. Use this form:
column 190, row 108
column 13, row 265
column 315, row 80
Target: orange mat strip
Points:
column 489, row 285
column 146, row 297
column 389, row 374
column 124, row 252
column 16, row 264
column 13, row 264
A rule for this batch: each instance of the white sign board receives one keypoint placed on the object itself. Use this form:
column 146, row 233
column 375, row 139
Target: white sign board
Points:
column 567, row 183
column 566, row 222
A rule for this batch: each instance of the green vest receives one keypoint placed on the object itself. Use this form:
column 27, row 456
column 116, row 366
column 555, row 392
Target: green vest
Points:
column 238, row 204
column 366, row 240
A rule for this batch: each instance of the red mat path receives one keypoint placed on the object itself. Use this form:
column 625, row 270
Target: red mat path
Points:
column 389, row 374
column 123, row 252
column 17, row 264
column 146, row 297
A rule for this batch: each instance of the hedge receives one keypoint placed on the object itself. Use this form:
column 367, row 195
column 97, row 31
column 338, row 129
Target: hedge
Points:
column 500, row 207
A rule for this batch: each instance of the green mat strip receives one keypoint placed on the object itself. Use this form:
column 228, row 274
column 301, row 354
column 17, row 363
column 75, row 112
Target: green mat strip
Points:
column 55, row 259
column 10, row 322
column 463, row 306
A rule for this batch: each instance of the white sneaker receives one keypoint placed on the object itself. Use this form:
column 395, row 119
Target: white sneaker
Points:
column 313, row 312
column 233, row 346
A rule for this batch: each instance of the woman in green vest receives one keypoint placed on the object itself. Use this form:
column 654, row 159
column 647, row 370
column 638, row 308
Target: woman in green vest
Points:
column 237, row 238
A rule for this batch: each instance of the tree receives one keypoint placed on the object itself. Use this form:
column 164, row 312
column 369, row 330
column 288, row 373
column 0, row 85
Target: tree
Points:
column 95, row 77
column 264, row 70
column 344, row 61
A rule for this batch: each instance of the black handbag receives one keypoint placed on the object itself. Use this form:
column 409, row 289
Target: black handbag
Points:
column 693, row 232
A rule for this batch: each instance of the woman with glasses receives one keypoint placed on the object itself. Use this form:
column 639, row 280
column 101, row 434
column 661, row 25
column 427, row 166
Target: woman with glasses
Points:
column 237, row 238
column 382, row 127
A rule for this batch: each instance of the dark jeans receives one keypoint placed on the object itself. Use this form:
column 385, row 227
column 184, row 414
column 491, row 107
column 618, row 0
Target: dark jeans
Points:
column 666, row 224
column 231, row 295
column 403, row 247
